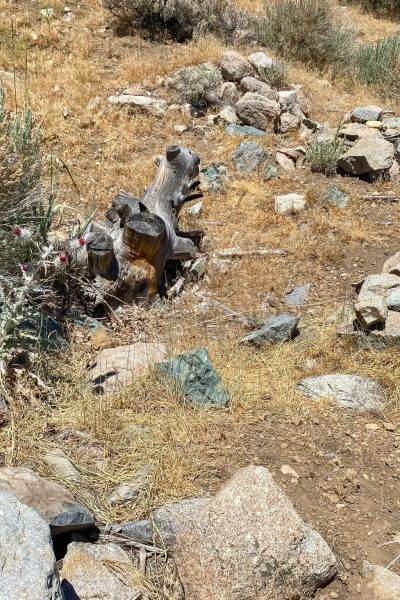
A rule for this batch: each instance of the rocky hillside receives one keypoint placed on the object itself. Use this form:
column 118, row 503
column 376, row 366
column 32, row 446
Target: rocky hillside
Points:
column 199, row 300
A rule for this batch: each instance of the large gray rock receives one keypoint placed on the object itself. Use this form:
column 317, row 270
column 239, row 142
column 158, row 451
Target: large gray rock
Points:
column 362, row 114
column 289, row 101
column 93, row 571
column 350, row 391
column 393, row 300
column 196, row 378
column 115, row 368
column 280, row 328
column 378, row 285
column 251, row 84
column 28, row 569
column 390, row 335
column 54, row 503
column 234, row 66
column 371, row 311
column 382, row 584
column 392, row 265
column 298, row 296
column 258, row 111
column 356, row 131
column 248, row 157
column 369, row 155
column 248, row 543
column 288, row 123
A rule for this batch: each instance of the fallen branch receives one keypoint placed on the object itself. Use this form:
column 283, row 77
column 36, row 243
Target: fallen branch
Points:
column 246, row 321
column 381, row 197
column 238, row 253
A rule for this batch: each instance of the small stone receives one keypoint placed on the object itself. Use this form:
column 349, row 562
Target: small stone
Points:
column 392, row 265
column 62, row 466
column 269, row 172
column 213, row 177
column 334, row 197
column 371, row 311
column 47, row 13
column 285, row 162
column 389, row 427
column 298, row 296
column 199, row 267
column 181, row 128
column 287, row 470
column 228, row 115
column 278, row 329
column 248, row 157
column 196, row 378
column 372, row 426
column 229, row 93
column 289, row 203
column 195, row 210
column 374, row 124
column 244, row 130
column 392, row 123
column 131, row 490
column 333, row 498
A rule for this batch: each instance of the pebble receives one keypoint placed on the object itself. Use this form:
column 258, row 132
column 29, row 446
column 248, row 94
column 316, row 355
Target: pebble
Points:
column 372, row 426
column 389, row 426
column 287, row 470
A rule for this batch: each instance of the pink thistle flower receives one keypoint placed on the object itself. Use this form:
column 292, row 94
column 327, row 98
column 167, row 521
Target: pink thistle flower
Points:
column 62, row 260
column 21, row 233
column 16, row 231
column 27, row 268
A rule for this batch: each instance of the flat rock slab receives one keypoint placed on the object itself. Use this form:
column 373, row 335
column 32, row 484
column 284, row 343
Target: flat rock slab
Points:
column 196, row 378
column 98, row 571
column 117, row 367
column 351, row 391
column 248, row 543
column 248, row 157
column 378, row 285
column 280, row 328
column 251, row 84
column 54, row 503
column 28, row 569
column 362, row 114
column 382, row 583
column 244, row 131
column 298, row 296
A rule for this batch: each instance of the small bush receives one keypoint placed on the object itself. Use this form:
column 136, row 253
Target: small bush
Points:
column 323, row 156
column 378, row 64
column 308, row 31
column 199, row 85
column 181, row 19
column 276, row 75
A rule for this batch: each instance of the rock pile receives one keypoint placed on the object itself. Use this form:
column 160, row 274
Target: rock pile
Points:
column 374, row 320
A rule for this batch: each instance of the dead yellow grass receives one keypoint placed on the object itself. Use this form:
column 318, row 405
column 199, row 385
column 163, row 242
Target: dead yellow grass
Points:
column 76, row 66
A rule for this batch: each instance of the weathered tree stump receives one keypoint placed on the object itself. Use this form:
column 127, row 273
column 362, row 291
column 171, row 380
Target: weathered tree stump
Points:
column 127, row 257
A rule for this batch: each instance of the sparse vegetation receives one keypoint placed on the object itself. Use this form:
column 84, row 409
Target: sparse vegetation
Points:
column 323, row 156
column 275, row 75
column 379, row 6
column 181, row 19
column 308, row 31
column 378, row 64
column 199, row 85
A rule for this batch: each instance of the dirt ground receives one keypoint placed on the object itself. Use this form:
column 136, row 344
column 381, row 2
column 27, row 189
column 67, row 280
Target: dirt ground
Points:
column 348, row 474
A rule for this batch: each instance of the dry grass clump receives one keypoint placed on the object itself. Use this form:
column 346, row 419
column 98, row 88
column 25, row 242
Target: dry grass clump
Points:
column 180, row 19
column 308, row 31
column 382, row 7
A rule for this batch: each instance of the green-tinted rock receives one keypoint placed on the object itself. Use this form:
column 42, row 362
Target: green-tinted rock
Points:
column 334, row 197
column 269, row 172
column 196, row 378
